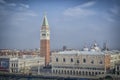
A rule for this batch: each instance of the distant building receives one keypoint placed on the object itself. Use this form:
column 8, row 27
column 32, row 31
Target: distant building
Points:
column 84, row 63
column 45, row 41
column 18, row 53
column 20, row 64
column 117, row 69
column 114, row 58
column 6, row 52
column 4, row 64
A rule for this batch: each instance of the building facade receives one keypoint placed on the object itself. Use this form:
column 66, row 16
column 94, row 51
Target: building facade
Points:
column 18, row 53
column 117, row 69
column 115, row 58
column 79, row 63
column 45, row 41
column 82, row 63
column 6, row 52
column 20, row 65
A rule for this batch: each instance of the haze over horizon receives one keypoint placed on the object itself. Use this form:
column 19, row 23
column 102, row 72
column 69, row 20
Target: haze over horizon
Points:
column 73, row 23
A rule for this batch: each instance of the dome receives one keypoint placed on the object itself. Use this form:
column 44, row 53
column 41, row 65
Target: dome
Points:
column 95, row 44
column 92, row 49
column 97, row 48
column 85, row 49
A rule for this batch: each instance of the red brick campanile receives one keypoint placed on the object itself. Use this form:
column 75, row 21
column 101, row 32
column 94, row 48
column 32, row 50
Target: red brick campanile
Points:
column 45, row 41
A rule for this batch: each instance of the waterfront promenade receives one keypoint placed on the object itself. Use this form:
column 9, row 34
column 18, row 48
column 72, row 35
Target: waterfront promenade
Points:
column 49, row 76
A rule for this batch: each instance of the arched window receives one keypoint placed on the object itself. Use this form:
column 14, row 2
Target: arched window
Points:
column 92, row 62
column 99, row 73
column 84, row 60
column 77, row 61
column 100, row 62
column 71, row 59
column 62, row 71
column 56, row 59
column 83, row 72
column 56, row 71
column 68, row 72
column 90, row 73
column 65, row 71
column 59, row 71
column 79, row 72
column 63, row 59
column 95, row 73
column 73, row 72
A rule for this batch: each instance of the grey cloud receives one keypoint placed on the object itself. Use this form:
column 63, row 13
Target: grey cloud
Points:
column 2, row 1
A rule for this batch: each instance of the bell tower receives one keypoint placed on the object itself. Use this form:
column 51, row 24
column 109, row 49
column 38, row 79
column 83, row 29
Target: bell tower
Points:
column 45, row 41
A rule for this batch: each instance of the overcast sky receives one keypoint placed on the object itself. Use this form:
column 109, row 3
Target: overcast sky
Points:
column 73, row 23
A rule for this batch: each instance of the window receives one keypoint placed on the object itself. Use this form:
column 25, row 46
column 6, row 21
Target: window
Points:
column 83, row 72
column 77, row 61
column 84, row 60
column 89, row 73
column 79, row 72
column 117, row 67
column 100, row 62
column 56, row 71
column 62, row 71
column 71, row 59
column 59, row 72
column 43, row 34
column 56, row 59
column 92, row 62
column 67, row 72
column 73, row 72
column 92, row 73
column 95, row 73
column 63, row 59
column 12, row 64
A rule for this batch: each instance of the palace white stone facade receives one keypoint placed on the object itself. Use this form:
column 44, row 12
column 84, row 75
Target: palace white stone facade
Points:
column 83, row 63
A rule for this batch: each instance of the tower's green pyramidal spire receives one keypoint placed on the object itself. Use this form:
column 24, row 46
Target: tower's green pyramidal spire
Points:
column 45, row 21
